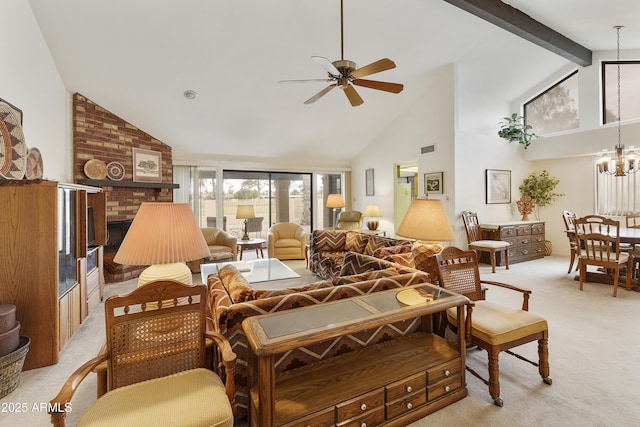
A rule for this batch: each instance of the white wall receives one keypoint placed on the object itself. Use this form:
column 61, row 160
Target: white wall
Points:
column 427, row 122
column 30, row 81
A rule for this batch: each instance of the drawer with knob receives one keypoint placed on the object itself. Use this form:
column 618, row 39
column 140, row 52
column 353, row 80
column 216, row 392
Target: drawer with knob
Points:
column 406, row 404
column 443, row 387
column 406, row 386
column 350, row 409
column 443, row 371
column 370, row 419
column 324, row 418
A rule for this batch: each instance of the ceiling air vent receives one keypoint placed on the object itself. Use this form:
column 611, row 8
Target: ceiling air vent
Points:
column 428, row 149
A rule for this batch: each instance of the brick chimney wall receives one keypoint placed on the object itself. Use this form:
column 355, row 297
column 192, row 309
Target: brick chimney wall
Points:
column 100, row 134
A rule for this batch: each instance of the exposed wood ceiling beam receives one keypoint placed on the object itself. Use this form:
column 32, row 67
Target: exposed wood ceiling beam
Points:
column 521, row 24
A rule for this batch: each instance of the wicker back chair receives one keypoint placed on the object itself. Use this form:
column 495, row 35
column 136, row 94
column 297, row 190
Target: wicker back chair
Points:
column 490, row 326
column 598, row 238
column 155, row 352
column 477, row 243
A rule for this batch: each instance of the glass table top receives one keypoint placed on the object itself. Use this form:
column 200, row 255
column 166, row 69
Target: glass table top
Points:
column 348, row 310
column 255, row 271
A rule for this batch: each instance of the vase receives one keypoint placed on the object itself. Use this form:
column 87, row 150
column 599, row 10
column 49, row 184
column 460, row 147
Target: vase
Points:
column 525, row 216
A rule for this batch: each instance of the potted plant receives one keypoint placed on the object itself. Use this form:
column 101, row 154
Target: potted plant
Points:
column 539, row 187
column 513, row 129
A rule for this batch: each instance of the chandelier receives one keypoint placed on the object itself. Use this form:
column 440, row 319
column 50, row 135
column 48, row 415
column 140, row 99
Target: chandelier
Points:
column 623, row 161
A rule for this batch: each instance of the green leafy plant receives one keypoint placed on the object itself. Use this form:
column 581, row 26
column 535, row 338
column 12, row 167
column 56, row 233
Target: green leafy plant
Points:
column 540, row 186
column 513, row 129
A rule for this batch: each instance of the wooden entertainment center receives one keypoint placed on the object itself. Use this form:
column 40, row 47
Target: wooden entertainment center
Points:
column 392, row 383
column 49, row 269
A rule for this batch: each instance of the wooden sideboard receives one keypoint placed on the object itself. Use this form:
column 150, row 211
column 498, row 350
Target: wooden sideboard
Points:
column 391, row 383
column 526, row 238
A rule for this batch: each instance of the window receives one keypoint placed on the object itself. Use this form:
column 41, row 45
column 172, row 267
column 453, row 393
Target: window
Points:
column 556, row 109
column 629, row 91
column 617, row 195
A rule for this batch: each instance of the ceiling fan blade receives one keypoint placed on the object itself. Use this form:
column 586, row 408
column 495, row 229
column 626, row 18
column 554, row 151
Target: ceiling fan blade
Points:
column 383, row 64
column 327, row 65
column 373, row 84
column 353, row 96
column 320, row 94
column 306, row 81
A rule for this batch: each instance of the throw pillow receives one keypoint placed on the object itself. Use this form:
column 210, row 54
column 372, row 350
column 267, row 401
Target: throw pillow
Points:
column 355, row 263
column 239, row 289
column 376, row 242
column 267, row 293
column 422, row 251
column 355, row 242
column 369, row 275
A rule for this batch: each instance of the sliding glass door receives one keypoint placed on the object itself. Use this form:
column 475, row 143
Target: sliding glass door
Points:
column 274, row 196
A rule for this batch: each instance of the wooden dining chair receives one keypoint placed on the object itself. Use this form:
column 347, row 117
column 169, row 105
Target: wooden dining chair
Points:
column 475, row 241
column 568, row 218
column 490, row 326
column 633, row 221
column 598, row 238
column 157, row 373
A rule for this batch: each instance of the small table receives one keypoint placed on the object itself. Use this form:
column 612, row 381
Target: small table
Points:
column 251, row 244
column 261, row 270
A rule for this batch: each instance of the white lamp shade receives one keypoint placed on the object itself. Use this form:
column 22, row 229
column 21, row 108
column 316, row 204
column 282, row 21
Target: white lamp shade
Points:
column 372, row 211
column 335, row 201
column 162, row 233
column 245, row 212
column 426, row 219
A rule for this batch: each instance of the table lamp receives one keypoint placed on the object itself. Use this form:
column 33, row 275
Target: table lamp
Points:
column 245, row 212
column 426, row 219
column 335, row 201
column 372, row 211
column 163, row 236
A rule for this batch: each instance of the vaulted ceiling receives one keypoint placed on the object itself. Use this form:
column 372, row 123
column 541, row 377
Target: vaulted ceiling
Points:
column 136, row 58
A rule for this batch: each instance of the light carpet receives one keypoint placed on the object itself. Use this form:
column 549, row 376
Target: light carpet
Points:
column 594, row 354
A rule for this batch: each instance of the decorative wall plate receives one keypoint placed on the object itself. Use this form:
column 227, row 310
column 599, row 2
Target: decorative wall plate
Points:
column 34, row 169
column 13, row 151
column 115, row 171
column 95, row 169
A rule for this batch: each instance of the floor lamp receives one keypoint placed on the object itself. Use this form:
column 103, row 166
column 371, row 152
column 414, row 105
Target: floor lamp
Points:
column 163, row 236
column 335, row 201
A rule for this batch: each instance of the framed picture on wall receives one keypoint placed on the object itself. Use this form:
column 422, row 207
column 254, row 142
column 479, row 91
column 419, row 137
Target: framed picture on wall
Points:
column 433, row 183
column 498, row 186
column 369, row 181
column 147, row 165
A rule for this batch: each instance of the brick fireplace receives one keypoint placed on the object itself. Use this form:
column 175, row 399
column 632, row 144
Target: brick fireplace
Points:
column 100, row 134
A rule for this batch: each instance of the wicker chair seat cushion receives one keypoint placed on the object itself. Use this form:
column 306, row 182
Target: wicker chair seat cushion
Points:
column 190, row 398
column 489, row 244
column 497, row 324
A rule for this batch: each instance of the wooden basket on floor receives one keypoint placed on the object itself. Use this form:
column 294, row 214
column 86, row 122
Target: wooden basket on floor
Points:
column 11, row 367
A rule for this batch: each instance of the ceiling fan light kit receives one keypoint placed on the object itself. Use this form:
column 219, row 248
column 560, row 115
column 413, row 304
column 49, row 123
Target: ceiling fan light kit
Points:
column 345, row 74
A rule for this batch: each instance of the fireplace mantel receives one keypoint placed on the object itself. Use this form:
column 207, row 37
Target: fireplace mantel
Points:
column 128, row 184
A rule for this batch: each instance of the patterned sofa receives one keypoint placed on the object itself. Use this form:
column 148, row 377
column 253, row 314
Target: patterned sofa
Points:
column 232, row 299
column 328, row 247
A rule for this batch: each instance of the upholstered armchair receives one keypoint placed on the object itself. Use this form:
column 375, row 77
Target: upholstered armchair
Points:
column 349, row 220
column 222, row 245
column 220, row 241
column 286, row 241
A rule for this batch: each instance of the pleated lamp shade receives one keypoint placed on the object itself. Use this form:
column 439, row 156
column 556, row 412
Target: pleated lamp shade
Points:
column 163, row 234
column 426, row 219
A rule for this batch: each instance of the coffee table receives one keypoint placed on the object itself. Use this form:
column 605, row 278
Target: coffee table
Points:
column 256, row 244
column 255, row 271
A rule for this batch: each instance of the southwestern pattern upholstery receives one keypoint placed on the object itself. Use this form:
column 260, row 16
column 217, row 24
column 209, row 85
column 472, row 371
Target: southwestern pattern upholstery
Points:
column 327, row 249
column 226, row 318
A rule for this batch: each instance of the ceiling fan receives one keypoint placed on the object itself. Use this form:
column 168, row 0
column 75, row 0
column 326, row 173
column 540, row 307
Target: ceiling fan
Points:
column 344, row 74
